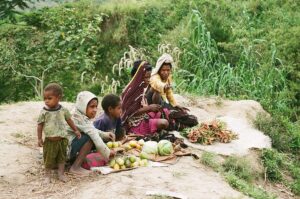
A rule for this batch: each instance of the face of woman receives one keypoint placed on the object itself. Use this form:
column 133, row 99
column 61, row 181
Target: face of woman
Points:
column 164, row 72
column 147, row 78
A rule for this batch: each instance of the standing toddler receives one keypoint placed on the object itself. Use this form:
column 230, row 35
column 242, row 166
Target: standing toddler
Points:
column 51, row 121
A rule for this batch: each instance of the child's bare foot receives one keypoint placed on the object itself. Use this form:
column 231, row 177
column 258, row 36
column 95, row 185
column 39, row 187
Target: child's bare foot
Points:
column 48, row 174
column 80, row 171
column 62, row 177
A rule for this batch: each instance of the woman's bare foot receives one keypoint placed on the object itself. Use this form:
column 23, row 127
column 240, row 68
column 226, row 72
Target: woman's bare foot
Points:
column 80, row 171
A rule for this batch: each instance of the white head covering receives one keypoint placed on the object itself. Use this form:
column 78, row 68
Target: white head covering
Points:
column 165, row 58
column 83, row 98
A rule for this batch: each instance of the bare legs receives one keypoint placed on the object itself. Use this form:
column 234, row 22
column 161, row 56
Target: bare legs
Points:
column 60, row 172
column 76, row 167
column 47, row 176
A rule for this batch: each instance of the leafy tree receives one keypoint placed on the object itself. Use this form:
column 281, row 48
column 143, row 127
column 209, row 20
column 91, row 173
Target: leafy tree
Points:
column 8, row 8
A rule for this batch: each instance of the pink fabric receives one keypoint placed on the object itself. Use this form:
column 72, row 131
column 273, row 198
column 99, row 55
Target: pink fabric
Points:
column 149, row 127
column 93, row 160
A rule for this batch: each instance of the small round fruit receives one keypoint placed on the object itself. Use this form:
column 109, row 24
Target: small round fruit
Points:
column 133, row 143
column 138, row 147
column 112, row 163
column 135, row 164
column 145, row 162
column 116, row 167
column 123, row 167
column 141, row 142
column 115, row 144
column 141, row 163
column 127, row 163
column 144, row 155
column 109, row 144
column 132, row 159
column 120, row 161
column 128, row 147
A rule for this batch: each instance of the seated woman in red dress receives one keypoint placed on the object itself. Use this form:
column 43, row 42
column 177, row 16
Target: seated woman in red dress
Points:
column 137, row 116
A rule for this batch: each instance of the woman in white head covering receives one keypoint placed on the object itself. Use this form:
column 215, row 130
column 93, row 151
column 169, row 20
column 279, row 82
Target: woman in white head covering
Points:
column 161, row 93
column 160, row 81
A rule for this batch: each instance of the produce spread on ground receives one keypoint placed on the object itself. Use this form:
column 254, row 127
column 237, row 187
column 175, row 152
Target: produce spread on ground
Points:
column 136, row 153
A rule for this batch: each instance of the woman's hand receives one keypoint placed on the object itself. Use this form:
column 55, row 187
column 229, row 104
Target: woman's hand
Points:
column 154, row 107
column 182, row 108
column 167, row 86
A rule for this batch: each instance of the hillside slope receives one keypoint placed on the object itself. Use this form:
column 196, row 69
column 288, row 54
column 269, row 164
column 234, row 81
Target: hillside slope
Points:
column 21, row 168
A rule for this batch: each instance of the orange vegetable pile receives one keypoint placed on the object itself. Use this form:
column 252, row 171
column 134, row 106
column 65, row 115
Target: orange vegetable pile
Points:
column 207, row 133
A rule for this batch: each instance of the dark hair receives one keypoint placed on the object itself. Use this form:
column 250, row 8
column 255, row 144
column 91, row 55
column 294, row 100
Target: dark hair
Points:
column 136, row 65
column 168, row 64
column 110, row 100
column 55, row 88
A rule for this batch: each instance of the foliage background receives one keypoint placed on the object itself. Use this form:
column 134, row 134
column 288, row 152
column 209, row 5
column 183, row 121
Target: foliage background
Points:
column 233, row 49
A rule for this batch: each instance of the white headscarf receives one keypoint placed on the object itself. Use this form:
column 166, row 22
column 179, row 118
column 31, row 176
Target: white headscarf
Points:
column 83, row 98
column 165, row 58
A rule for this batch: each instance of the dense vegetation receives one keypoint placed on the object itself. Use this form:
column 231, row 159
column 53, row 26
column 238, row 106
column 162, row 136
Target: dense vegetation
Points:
column 244, row 50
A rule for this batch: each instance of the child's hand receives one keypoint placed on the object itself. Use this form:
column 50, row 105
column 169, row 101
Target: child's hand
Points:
column 112, row 153
column 78, row 134
column 40, row 142
column 112, row 136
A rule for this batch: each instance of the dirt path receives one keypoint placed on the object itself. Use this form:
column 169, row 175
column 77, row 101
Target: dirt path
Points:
column 21, row 169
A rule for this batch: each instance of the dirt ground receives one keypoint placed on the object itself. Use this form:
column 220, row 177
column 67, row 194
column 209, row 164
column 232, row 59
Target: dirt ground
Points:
column 21, row 170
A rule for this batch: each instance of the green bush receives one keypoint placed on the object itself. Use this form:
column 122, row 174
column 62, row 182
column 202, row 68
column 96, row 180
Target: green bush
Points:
column 246, row 188
column 209, row 159
column 241, row 167
column 272, row 161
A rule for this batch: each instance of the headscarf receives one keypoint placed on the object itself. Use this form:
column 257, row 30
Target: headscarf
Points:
column 165, row 58
column 82, row 100
column 133, row 93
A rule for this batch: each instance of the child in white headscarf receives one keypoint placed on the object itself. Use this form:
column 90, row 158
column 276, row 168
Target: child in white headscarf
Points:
column 85, row 110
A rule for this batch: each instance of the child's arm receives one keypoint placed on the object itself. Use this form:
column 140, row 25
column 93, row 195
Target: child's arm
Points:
column 74, row 128
column 39, row 134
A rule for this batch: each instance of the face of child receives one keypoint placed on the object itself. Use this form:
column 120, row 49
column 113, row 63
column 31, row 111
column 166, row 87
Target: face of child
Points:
column 51, row 100
column 116, row 111
column 165, row 71
column 91, row 108
column 147, row 78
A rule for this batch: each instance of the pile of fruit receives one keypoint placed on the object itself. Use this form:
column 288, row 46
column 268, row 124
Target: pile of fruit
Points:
column 207, row 133
column 145, row 149
column 135, row 144
column 128, row 162
column 113, row 145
